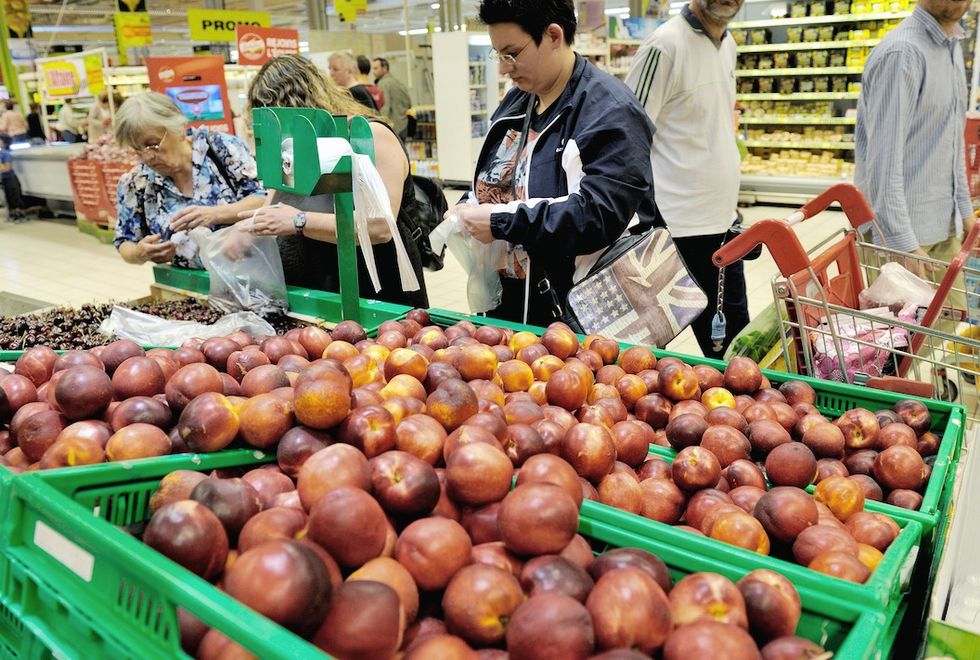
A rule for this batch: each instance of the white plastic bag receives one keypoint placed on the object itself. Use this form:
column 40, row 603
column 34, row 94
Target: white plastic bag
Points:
column 246, row 271
column 896, row 287
column 481, row 261
column 371, row 202
column 149, row 330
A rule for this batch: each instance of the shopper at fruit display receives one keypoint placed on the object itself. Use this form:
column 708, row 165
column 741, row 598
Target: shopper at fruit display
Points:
column 11, row 184
column 12, row 123
column 363, row 71
column 201, row 179
column 68, row 124
column 99, row 121
column 306, row 226
column 397, row 99
column 343, row 71
column 590, row 173
column 909, row 136
column 35, row 129
column 695, row 156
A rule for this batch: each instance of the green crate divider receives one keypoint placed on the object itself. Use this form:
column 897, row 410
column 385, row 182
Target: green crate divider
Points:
column 884, row 590
column 324, row 305
column 41, row 598
column 850, row 631
column 946, row 641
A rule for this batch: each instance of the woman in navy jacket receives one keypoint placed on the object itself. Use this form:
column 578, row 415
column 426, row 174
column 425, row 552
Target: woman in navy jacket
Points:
column 583, row 174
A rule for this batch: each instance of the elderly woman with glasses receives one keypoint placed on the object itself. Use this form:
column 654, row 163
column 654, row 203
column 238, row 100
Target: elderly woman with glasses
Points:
column 201, row 179
column 565, row 165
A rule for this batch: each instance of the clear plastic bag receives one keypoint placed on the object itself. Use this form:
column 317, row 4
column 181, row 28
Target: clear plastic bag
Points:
column 246, row 271
column 896, row 288
column 481, row 261
column 149, row 330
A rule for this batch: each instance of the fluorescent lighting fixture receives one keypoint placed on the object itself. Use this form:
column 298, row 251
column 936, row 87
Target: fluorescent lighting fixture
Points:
column 616, row 11
column 480, row 40
column 413, row 33
column 435, row 5
column 677, row 5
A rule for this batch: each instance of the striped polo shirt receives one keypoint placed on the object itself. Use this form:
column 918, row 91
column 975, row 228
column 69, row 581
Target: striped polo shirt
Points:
column 686, row 82
column 909, row 159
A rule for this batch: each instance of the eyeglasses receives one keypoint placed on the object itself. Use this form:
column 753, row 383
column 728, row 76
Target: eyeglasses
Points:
column 152, row 149
column 507, row 58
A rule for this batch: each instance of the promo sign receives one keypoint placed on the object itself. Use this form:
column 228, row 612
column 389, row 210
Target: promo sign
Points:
column 197, row 85
column 79, row 74
column 220, row 24
column 258, row 45
column 132, row 31
column 18, row 16
column 349, row 9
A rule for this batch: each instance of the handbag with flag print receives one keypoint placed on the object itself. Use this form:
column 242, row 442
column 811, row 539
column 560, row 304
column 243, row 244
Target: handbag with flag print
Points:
column 639, row 292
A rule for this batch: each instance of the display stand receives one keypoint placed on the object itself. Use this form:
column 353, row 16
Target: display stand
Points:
column 305, row 126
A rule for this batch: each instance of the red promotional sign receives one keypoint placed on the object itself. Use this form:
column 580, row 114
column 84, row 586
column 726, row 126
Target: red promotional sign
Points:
column 197, row 85
column 258, row 45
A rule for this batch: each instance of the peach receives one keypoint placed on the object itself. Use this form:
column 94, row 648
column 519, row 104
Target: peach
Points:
column 264, row 419
column 208, row 423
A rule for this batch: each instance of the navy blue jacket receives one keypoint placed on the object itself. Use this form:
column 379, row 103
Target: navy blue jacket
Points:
column 589, row 173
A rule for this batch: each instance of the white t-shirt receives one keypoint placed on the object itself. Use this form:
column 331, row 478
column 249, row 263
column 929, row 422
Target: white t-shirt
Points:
column 687, row 85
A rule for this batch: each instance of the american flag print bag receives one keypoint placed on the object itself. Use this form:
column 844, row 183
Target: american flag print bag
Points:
column 638, row 292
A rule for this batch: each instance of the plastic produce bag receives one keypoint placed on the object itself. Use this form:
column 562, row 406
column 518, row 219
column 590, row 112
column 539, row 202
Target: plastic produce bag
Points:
column 246, row 271
column 896, row 288
column 756, row 339
column 867, row 347
column 482, row 262
column 150, row 330
column 371, row 202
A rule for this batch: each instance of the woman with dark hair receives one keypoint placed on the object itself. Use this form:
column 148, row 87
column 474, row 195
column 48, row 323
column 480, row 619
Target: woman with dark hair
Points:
column 306, row 226
column 565, row 166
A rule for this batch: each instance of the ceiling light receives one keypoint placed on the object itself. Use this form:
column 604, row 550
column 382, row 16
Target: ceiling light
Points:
column 435, row 5
column 413, row 33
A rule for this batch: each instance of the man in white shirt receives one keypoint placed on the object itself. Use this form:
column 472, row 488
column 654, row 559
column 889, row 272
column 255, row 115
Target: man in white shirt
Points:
column 684, row 75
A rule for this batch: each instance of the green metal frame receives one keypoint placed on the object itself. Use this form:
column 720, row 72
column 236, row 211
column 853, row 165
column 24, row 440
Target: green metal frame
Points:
column 305, row 126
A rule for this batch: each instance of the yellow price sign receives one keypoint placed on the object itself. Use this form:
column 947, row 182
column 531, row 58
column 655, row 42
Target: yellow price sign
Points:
column 133, row 29
column 220, row 24
column 61, row 78
column 349, row 9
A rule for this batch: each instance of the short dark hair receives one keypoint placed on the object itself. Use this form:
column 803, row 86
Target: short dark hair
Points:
column 363, row 65
column 10, row 104
column 383, row 62
column 533, row 17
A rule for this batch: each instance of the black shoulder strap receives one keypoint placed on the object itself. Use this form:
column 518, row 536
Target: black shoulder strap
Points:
column 222, row 170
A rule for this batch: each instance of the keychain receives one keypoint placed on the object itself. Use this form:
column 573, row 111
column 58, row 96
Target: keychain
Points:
column 718, row 323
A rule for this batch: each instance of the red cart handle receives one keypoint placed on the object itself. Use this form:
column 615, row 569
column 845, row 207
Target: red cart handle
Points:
column 853, row 203
column 777, row 235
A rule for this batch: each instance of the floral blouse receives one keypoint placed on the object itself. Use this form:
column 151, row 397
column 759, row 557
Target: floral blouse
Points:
column 146, row 200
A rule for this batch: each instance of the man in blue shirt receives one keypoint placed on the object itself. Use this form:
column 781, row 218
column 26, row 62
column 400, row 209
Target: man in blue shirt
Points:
column 910, row 160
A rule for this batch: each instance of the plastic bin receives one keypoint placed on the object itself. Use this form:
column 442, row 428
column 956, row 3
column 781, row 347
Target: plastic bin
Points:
column 48, row 607
column 884, row 590
column 324, row 305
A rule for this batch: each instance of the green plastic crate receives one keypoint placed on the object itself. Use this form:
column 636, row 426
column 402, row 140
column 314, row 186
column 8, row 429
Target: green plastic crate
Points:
column 833, row 400
column 46, row 608
column 845, row 627
column 324, row 305
column 884, row 590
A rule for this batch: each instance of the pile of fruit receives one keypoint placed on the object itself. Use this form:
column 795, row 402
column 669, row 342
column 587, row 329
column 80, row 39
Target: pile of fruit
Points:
column 369, row 557
column 106, row 149
column 68, row 328
column 396, row 460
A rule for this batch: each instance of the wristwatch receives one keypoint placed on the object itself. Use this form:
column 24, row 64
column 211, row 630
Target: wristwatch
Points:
column 299, row 222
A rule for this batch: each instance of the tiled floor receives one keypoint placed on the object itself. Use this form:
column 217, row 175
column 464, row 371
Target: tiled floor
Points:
column 52, row 261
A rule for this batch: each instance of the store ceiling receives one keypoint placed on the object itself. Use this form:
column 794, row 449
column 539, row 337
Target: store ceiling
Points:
column 88, row 22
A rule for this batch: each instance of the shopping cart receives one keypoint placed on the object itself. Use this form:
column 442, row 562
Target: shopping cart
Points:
column 824, row 332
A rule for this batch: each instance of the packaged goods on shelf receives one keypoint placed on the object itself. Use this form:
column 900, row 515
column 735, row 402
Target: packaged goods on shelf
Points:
column 780, row 60
column 795, row 162
column 794, row 35
column 817, row 8
column 841, row 7
column 804, row 58
column 740, row 36
column 760, row 37
column 797, row 10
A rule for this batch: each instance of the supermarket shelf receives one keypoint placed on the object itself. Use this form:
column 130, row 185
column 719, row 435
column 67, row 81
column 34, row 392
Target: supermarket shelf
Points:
column 619, row 71
column 593, row 52
column 800, row 71
column 810, row 45
column 801, row 121
column 800, row 96
column 822, row 146
column 820, row 20
column 477, row 64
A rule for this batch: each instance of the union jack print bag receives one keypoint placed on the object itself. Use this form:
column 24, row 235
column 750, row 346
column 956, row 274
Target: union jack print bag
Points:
column 638, row 292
